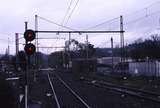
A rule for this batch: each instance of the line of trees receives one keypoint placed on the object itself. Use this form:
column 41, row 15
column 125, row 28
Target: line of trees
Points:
column 56, row 59
column 142, row 49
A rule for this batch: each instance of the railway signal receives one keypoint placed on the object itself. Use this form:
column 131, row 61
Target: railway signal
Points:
column 29, row 48
column 29, row 36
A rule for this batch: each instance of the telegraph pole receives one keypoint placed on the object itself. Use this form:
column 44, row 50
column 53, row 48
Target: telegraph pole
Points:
column 8, row 47
column 63, row 54
column 69, row 55
column 122, row 41
column 17, row 47
column 112, row 51
column 37, row 49
column 17, row 43
column 26, row 76
column 122, row 38
column 36, row 54
column 87, row 46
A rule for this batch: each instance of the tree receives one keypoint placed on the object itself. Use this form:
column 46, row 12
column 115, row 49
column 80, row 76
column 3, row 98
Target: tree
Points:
column 55, row 59
column 79, row 50
column 147, row 48
column 22, row 61
column 39, row 59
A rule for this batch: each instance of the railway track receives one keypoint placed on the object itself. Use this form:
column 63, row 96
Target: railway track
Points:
column 141, row 94
column 64, row 95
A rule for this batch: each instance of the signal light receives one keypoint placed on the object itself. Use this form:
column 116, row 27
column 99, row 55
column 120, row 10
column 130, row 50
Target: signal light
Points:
column 29, row 49
column 29, row 35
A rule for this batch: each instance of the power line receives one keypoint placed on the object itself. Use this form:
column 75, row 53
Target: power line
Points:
column 72, row 12
column 141, row 18
column 145, row 16
column 145, row 8
column 69, row 7
column 124, row 15
column 130, row 22
column 97, row 25
column 55, row 23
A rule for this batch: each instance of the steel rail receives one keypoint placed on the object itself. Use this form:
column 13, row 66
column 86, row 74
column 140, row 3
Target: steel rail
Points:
column 130, row 91
column 74, row 93
column 53, row 90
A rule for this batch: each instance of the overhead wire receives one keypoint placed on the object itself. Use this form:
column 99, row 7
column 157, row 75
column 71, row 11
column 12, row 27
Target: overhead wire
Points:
column 97, row 25
column 51, row 45
column 42, row 18
column 130, row 22
column 72, row 11
column 138, row 19
column 157, row 2
column 143, row 17
column 55, row 23
column 145, row 8
column 67, row 11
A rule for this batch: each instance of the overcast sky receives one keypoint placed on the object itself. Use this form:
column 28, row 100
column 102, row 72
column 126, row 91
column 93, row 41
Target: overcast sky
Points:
column 13, row 14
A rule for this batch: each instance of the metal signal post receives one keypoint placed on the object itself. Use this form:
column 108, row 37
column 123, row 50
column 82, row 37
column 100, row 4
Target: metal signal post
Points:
column 26, row 78
column 29, row 48
column 112, row 54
